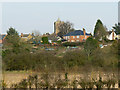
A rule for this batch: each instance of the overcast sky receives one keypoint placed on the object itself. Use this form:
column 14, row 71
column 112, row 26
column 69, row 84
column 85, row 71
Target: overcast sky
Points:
column 26, row 17
column 119, row 11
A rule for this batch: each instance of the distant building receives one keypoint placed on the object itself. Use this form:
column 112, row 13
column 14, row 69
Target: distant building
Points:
column 112, row 35
column 2, row 37
column 56, row 25
column 118, row 36
column 76, row 36
column 46, row 34
column 26, row 37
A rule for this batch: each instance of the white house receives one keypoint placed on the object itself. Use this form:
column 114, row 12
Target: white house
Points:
column 112, row 35
column 118, row 36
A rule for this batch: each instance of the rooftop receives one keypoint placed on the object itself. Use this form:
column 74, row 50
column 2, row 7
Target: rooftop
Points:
column 75, row 33
column 2, row 36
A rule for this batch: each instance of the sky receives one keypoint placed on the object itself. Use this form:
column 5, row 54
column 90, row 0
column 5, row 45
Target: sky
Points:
column 119, row 11
column 26, row 17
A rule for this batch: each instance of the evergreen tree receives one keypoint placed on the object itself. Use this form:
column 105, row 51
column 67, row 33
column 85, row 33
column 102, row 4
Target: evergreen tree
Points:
column 90, row 45
column 12, row 31
column 117, row 28
column 12, row 36
column 13, row 39
column 65, row 28
column 99, row 31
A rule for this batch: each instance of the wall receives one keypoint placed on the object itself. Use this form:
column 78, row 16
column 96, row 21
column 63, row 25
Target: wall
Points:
column 76, row 38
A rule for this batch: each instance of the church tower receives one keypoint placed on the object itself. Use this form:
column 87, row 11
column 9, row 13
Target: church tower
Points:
column 56, row 26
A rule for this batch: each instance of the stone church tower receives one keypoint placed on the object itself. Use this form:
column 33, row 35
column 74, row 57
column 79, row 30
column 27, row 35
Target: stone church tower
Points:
column 56, row 25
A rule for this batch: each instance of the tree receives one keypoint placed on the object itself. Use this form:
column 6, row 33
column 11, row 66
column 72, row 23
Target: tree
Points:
column 13, row 40
column 65, row 28
column 37, row 39
column 36, row 36
column 12, row 31
column 100, row 30
column 36, row 33
column 74, row 59
column 117, row 28
column 90, row 45
column 45, row 40
column 12, row 36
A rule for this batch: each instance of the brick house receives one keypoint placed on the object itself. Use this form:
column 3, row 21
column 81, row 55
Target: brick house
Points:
column 76, row 36
column 2, row 37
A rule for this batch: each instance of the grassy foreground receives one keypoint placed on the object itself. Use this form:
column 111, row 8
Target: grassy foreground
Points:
column 27, row 79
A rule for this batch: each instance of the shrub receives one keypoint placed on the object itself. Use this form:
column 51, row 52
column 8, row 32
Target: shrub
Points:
column 45, row 40
column 74, row 58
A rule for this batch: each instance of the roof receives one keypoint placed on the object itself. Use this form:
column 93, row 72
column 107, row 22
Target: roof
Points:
column 75, row 33
column 109, row 32
column 2, row 36
column 25, row 35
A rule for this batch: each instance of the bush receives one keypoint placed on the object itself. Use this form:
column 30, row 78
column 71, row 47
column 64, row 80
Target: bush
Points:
column 38, row 61
column 74, row 58
column 17, row 61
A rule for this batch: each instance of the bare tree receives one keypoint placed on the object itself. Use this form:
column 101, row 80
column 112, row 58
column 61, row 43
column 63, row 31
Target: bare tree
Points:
column 36, row 36
column 65, row 28
column 36, row 33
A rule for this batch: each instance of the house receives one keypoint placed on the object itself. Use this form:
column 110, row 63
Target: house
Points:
column 46, row 34
column 2, row 37
column 117, row 36
column 76, row 36
column 0, row 40
column 26, row 37
column 112, row 35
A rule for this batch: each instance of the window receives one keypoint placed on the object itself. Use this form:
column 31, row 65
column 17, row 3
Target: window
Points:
column 68, row 37
column 72, row 40
column 77, row 40
column 73, row 36
column 77, row 36
column 65, row 37
column 83, row 39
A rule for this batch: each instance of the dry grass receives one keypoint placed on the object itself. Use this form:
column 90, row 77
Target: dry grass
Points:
column 15, row 76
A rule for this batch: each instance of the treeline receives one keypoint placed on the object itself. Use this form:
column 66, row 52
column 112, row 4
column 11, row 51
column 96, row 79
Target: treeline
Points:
column 72, row 60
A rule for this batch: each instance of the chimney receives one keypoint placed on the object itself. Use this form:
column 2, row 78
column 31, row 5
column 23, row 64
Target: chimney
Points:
column 32, row 34
column 21, row 34
column 84, row 31
column 113, row 34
